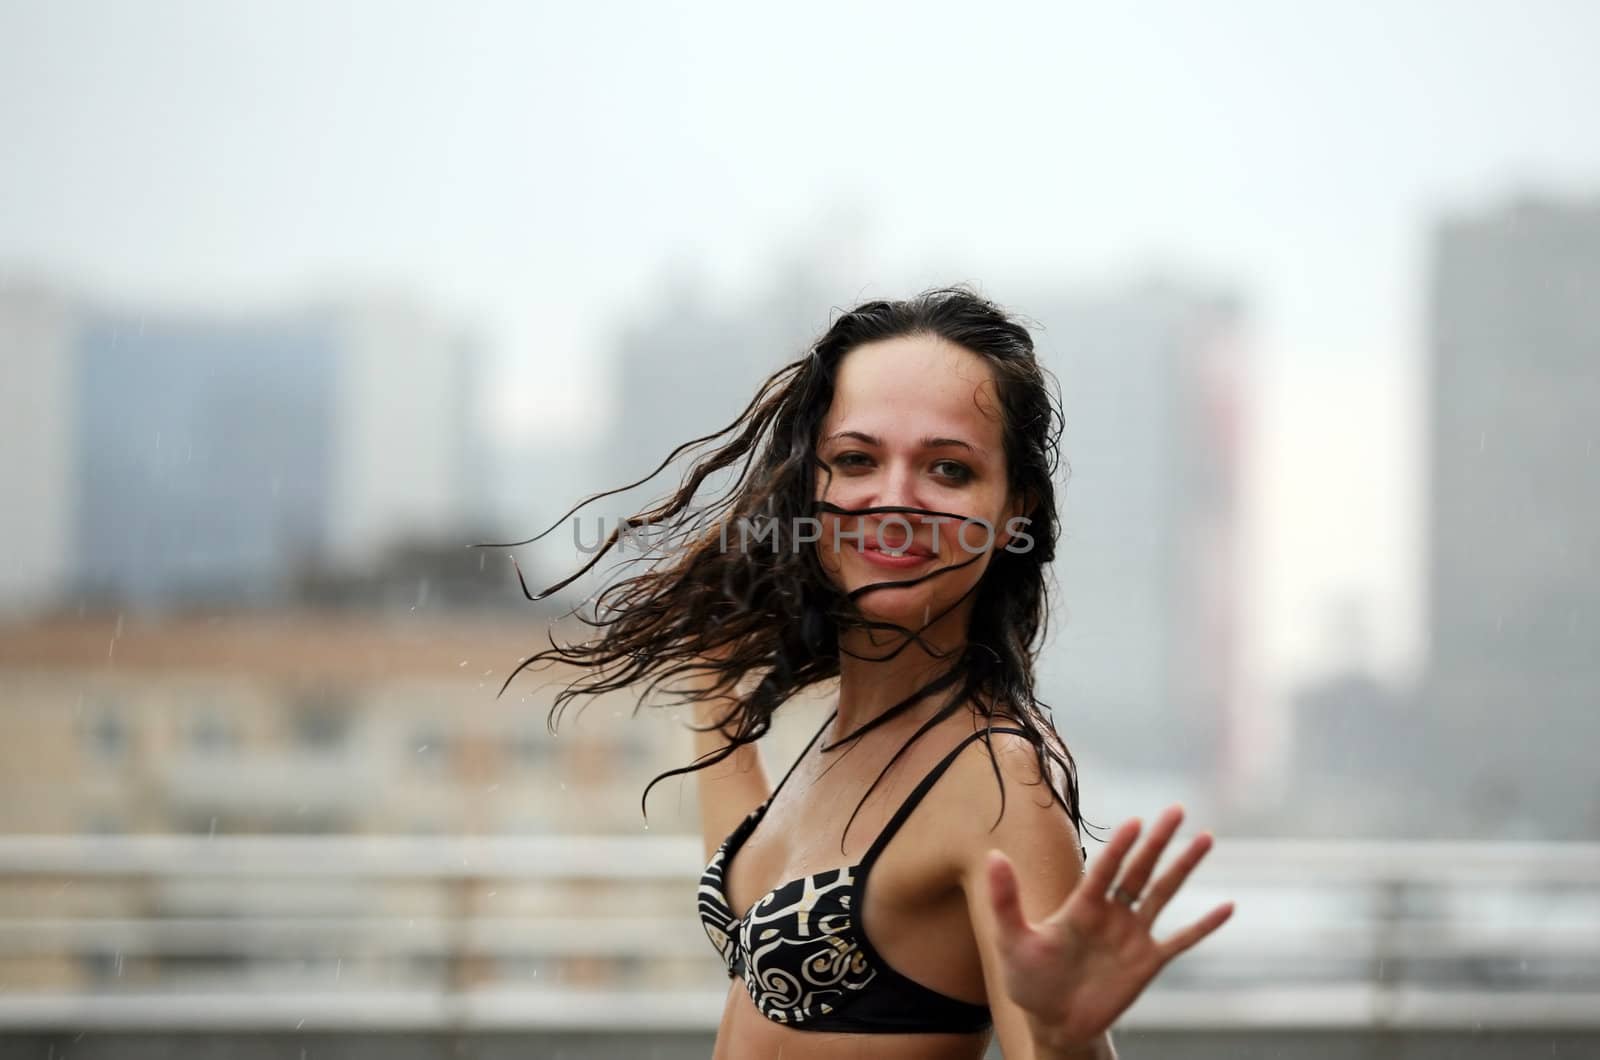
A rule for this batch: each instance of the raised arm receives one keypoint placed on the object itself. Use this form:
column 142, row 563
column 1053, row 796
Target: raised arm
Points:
column 729, row 790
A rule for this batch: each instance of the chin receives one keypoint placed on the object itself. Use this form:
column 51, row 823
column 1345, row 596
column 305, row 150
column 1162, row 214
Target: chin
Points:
column 912, row 607
column 903, row 607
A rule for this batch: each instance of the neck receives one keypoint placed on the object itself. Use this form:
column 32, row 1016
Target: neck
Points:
column 868, row 688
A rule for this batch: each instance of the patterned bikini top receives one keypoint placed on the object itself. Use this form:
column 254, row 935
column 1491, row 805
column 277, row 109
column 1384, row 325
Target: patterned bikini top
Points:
column 801, row 950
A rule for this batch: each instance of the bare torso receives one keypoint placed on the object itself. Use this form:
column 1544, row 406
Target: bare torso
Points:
column 914, row 909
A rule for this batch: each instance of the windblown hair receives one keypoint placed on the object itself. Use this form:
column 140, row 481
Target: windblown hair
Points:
column 772, row 616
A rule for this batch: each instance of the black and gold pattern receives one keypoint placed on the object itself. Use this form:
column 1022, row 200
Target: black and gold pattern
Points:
column 801, row 951
column 795, row 948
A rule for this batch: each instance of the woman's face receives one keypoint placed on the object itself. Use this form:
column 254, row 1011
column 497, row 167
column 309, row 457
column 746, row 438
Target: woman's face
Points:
column 915, row 422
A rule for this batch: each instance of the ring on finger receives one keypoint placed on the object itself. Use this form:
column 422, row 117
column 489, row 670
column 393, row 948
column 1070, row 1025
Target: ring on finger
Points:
column 1123, row 895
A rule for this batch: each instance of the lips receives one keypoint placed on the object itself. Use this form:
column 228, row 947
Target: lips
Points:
column 913, row 549
column 913, row 556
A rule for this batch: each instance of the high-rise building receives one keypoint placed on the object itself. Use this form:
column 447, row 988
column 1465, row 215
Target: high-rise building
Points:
column 191, row 457
column 37, row 446
column 1141, row 664
column 1514, row 486
column 686, row 367
column 1142, row 659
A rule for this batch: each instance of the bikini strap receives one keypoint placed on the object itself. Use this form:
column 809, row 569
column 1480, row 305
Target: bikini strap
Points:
column 801, row 756
column 919, row 791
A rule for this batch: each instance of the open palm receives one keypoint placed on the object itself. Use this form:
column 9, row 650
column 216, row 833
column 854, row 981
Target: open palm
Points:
column 1077, row 970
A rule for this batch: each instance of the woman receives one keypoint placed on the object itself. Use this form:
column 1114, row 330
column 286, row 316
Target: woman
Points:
column 890, row 529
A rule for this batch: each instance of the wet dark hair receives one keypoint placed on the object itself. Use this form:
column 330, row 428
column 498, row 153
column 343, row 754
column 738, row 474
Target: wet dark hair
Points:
column 702, row 608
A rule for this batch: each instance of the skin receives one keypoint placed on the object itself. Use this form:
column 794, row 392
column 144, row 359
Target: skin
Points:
column 890, row 399
column 1001, row 916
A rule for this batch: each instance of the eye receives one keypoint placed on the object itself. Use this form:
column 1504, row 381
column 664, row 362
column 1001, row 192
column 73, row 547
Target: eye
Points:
column 953, row 470
column 852, row 459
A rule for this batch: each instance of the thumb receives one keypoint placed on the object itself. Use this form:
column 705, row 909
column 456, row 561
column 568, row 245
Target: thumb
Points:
column 1005, row 898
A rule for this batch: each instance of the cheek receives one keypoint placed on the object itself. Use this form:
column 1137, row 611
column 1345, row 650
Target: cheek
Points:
column 971, row 567
column 963, row 541
column 846, row 493
column 827, row 555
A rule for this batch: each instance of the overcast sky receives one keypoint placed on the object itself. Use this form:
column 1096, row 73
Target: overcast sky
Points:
column 535, row 169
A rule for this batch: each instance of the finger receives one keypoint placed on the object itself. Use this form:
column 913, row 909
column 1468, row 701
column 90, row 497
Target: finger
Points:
column 1144, row 862
column 1005, row 898
column 1192, row 934
column 1167, row 885
column 1104, row 866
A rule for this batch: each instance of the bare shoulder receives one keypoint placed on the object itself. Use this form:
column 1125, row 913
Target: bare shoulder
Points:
column 997, row 798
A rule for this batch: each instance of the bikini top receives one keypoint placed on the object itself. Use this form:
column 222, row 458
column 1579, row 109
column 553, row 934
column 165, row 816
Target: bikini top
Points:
column 802, row 953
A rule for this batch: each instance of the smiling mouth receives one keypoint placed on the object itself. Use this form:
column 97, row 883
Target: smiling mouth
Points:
column 911, row 557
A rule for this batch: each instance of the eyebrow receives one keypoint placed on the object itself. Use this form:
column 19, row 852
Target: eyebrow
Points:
column 926, row 443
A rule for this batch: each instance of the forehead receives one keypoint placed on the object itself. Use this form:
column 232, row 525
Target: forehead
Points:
column 916, row 384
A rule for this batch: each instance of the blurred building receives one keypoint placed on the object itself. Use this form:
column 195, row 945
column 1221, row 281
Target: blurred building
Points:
column 1141, row 666
column 685, row 365
column 1142, row 663
column 38, row 435
column 301, row 724
column 203, row 457
column 306, row 722
column 1514, row 515
column 688, row 365
column 1354, row 757
column 1354, row 750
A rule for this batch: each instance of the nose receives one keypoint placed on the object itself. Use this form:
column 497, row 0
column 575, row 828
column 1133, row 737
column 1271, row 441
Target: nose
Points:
column 899, row 489
column 899, row 486
column 893, row 484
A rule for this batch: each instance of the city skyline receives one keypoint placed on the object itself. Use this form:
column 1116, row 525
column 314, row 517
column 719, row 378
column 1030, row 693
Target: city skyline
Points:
column 321, row 321
column 546, row 172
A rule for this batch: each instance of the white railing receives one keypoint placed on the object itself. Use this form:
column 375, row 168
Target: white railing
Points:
column 353, row 932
